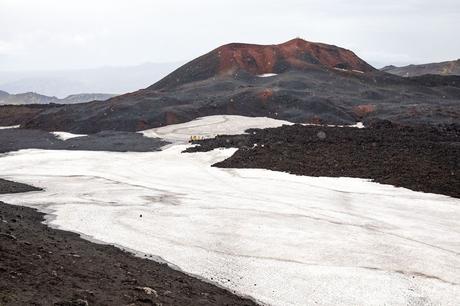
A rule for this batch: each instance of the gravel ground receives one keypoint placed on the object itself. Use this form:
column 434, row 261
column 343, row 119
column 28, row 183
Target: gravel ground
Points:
column 13, row 187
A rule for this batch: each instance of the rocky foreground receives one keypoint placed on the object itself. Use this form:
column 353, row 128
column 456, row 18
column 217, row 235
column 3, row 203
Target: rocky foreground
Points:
column 420, row 158
column 44, row 266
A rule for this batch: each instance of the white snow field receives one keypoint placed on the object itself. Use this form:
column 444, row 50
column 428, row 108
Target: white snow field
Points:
column 279, row 238
column 212, row 126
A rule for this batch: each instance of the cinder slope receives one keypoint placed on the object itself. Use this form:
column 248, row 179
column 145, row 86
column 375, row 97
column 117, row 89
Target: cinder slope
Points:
column 231, row 59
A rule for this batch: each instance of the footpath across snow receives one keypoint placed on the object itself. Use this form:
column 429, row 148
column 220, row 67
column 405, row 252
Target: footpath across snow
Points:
column 280, row 238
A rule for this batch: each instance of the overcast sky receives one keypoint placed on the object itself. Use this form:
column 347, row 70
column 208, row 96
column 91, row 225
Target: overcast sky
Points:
column 63, row 34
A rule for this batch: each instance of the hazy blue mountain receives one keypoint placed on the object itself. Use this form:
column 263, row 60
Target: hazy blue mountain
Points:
column 35, row 98
column 444, row 68
column 113, row 80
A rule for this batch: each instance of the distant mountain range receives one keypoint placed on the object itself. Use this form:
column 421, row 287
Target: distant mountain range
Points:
column 297, row 81
column 444, row 68
column 34, row 98
column 113, row 80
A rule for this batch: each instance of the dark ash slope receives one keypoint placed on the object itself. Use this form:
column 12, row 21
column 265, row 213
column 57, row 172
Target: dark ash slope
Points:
column 18, row 139
column 18, row 114
column 13, row 187
column 419, row 158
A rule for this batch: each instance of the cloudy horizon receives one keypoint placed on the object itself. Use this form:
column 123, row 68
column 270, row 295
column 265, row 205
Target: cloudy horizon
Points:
column 60, row 35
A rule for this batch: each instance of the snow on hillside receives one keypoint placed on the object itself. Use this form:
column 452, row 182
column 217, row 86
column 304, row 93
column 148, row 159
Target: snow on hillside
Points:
column 280, row 238
column 267, row 75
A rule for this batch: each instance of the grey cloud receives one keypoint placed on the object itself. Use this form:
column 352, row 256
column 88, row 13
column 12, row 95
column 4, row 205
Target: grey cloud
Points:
column 56, row 34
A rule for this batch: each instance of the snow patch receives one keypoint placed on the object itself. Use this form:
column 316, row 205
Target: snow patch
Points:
column 212, row 126
column 10, row 127
column 267, row 75
column 347, row 70
column 358, row 125
column 65, row 136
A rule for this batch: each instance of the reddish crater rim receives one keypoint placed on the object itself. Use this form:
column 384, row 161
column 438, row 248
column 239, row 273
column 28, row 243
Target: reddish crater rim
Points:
column 293, row 54
column 236, row 59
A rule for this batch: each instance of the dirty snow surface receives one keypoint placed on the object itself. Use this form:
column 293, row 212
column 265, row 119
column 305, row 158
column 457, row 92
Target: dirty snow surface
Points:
column 280, row 238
